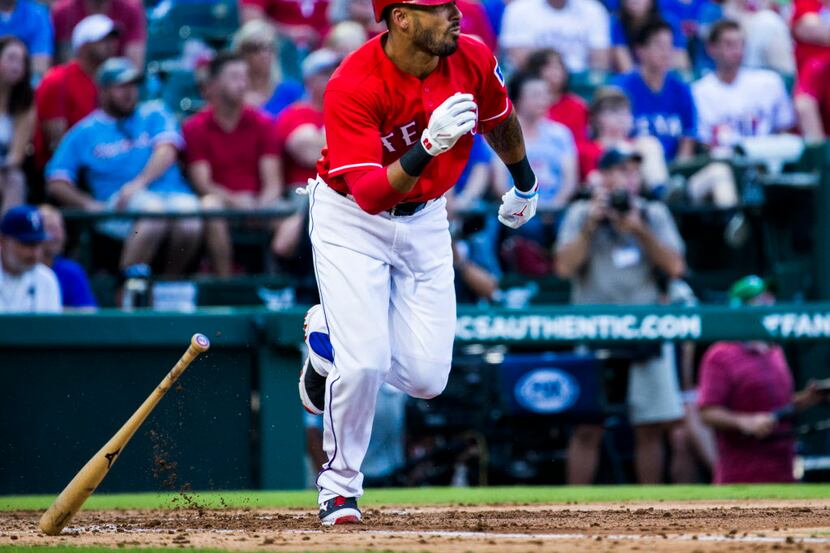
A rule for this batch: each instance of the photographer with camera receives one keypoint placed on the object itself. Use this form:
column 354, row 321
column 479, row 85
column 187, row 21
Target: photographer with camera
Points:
column 615, row 247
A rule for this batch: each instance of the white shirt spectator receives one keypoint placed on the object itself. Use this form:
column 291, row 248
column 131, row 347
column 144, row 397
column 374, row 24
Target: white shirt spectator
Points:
column 35, row 291
column 574, row 31
column 756, row 103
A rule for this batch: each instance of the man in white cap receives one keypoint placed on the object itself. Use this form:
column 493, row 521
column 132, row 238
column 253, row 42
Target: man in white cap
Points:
column 127, row 15
column 68, row 93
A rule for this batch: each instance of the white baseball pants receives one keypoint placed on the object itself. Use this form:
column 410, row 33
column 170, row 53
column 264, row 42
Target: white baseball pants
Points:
column 387, row 289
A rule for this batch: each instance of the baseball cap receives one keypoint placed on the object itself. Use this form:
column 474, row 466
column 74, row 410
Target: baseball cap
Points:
column 747, row 289
column 379, row 5
column 319, row 61
column 117, row 71
column 92, row 29
column 24, row 224
column 616, row 156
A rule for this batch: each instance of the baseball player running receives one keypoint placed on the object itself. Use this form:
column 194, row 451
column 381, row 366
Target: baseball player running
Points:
column 399, row 116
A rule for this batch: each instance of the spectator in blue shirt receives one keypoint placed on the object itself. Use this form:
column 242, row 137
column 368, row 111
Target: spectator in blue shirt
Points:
column 687, row 12
column 30, row 22
column 127, row 156
column 633, row 16
column 661, row 102
column 74, row 284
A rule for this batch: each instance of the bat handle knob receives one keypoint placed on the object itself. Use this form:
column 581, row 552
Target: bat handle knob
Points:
column 200, row 342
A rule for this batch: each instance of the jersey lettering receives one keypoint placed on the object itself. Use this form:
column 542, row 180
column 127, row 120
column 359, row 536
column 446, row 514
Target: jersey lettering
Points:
column 407, row 137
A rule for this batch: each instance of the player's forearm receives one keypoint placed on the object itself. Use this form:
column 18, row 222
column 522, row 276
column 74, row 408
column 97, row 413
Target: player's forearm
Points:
column 572, row 255
column 686, row 149
column 812, row 29
column 508, row 142
column 68, row 195
column 40, row 65
column 664, row 257
column 163, row 156
column 809, row 117
column 758, row 425
column 380, row 189
column 270, row 173
column 24, row 126
column 720, row 418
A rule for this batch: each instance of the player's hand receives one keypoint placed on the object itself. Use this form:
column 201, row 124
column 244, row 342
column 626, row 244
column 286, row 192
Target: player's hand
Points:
column 630, row 222
column 517, row 207
column 127, row 192
column 449, row 122
column 758, row 425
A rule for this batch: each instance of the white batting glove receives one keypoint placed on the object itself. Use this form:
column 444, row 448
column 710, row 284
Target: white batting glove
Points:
column 449, row 122
column 517, row 207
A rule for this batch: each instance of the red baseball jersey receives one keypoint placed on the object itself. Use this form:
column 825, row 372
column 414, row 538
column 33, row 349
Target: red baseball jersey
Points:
column 374, row 112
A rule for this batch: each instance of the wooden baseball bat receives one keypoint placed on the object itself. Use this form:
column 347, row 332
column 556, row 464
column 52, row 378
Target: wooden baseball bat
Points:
column 58, row 515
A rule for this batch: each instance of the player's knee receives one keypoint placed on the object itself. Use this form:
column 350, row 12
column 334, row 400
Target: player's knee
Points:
column 190, row 229
column 587, row 435
column 430, row 380
column 370, row 376
column 150, row 228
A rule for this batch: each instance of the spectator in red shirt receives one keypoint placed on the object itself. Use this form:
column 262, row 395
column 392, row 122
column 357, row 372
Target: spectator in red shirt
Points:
column 304, row 22
column 67, row 92
column 812, row 99
column 231, row 154
column 568, row 108
column 127, row 15
column 300, row 138
column 745, row 387
column 810, row 25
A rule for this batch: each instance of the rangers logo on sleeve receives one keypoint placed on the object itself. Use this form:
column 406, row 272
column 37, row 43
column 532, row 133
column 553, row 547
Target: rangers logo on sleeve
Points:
column 497, row 73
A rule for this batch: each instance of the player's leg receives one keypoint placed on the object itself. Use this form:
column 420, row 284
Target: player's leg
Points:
column 218, row 237
column 353, row 279
column 422, row 305
column 185, row 234
column 584, row 453
column 146, row 235
column 654, row 404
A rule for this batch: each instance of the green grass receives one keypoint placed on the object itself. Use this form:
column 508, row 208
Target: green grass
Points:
column 441, row 496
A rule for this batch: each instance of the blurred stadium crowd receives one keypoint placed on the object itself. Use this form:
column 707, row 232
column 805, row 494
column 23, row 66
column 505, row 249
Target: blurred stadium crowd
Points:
column 165, row 140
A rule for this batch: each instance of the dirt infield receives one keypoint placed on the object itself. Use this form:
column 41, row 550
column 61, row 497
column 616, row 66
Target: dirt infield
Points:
column 684, row 527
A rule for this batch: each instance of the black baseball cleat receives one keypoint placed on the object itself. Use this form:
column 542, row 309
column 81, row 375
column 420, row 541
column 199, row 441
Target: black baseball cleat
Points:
column 339, row 510
column 312, row 389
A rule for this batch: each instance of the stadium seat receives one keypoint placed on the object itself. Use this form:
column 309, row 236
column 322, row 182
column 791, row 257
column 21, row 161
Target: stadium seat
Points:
column 170, row 23
column 181, row 93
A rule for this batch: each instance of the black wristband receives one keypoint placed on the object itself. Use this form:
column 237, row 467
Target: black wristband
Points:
column 523, row 177
column 415, row 160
